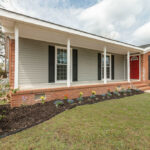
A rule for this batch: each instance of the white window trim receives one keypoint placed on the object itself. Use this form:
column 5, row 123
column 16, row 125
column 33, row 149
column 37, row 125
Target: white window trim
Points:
column 62, row 81
column 108, row 79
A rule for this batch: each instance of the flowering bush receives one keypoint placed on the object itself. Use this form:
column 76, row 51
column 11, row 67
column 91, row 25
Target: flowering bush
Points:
column 93, row 94
column 66, row 97
column 81, row 94
column 42, row 98
column 108, row 91
column 80, row 97
column 58, row 103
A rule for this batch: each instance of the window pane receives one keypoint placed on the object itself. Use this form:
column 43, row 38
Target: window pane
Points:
column 61, row 64
column 61, row 72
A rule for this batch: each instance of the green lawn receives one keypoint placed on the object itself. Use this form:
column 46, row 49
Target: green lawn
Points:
column 117, row 124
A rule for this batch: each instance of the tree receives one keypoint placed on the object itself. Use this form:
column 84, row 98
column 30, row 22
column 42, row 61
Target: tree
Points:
column 3, row 53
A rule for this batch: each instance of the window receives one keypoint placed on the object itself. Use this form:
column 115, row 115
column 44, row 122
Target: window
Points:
column 61, row 64
column 108, row 66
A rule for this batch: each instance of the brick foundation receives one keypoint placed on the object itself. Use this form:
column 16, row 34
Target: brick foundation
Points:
column 58, row 93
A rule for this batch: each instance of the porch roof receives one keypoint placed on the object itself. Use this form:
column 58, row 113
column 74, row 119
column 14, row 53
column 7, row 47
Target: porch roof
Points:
column 42, row 30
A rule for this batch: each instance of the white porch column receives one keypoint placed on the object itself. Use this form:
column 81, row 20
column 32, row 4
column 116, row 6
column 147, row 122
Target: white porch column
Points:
column 68, row 64
column 128, row 66
column 16, row 57
column 105, row 70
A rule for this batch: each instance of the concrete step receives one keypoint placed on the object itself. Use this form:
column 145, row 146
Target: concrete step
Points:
column 137, row 82
column 145, row 88
column 140, row 85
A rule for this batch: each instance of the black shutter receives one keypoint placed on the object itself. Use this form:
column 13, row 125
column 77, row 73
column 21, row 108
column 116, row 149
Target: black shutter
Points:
column 112, row 67
column 51, row 58
column 75, row 65
column 149, row 67
column 99, row 66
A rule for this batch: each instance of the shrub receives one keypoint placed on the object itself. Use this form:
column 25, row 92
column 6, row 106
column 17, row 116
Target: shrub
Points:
column 4, row 86
column 70, row 101
column 123, row 91
column 42, row 98
column 59, row 103
column 116, row 93
column 109, row 94
column 137, row 90
column 129, row 90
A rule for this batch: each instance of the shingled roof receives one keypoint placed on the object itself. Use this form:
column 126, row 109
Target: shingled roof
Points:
column 145, row 46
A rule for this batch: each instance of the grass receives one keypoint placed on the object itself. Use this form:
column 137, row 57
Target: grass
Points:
column 116, row 124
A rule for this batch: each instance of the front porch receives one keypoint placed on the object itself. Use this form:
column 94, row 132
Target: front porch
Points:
column 73, row 84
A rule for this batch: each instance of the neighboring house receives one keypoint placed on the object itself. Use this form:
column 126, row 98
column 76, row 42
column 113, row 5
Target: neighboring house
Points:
column 53, row 60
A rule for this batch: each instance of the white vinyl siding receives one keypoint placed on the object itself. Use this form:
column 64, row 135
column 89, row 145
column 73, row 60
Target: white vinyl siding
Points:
column 87, row 65
column 119, row 67
column 33, row 61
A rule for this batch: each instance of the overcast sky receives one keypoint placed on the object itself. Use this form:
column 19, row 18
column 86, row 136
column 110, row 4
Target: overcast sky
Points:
column 124, row 20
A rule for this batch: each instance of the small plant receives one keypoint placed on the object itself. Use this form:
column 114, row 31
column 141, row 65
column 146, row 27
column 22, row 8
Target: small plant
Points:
column 137, row 90
column 123, row 91
column 42, row 98
column 118, row 88
column 116, row 93
column 59, row 103
column 14, row 91
column 129, row 90
column 93, row 94
column 103, row 96
column 108, row 93
column 66, row 97
column 81, row 94
column 70, row 101
column 80, row 97
column 97, row 98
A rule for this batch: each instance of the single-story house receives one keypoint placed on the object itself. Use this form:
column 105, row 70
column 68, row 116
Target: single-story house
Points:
column 53, row 60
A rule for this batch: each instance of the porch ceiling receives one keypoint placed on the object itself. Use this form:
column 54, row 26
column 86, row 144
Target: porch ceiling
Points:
column 57, row 36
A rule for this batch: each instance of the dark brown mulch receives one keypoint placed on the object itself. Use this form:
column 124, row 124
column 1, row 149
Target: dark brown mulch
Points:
column 19, row 118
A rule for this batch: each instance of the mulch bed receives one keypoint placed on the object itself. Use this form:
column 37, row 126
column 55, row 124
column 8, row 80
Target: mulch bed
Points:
column 13, row 120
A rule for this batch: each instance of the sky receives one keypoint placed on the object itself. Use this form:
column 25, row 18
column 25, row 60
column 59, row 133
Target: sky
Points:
column 123, row 20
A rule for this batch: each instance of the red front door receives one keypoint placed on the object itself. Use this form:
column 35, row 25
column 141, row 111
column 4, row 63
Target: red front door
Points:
column 134, row 67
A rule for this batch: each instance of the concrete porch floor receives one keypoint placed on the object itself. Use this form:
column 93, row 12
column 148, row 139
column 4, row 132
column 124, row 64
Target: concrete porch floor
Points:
column 58, row 85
